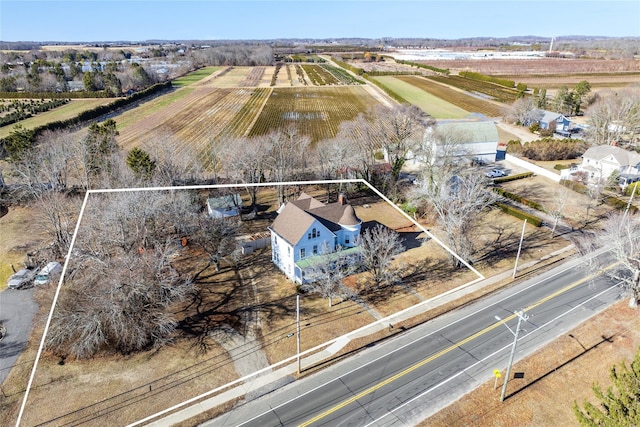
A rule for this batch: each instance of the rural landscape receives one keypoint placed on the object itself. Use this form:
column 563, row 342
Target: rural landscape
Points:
column 167, row 179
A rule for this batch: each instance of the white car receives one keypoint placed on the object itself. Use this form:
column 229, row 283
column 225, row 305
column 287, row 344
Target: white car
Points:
column 21, row 278
column 495, row 173
column 47, row 273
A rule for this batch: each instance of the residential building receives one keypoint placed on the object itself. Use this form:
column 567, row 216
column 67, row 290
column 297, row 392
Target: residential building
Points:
column 601, row 161
column 307, row 228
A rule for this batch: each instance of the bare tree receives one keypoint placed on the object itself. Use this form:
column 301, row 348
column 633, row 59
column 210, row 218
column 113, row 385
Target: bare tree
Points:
column 397, row 131
column 174, row 164
column 218, row 238
column 286, row 156
column 378, row 246
column 621, row 234
column 523, row 111
column 613, row 116
column 120, row 283
column 331, row 269
column 335, row 157
column 246, row 162
column 118, row 303
column 456, row 200
column 556, row 207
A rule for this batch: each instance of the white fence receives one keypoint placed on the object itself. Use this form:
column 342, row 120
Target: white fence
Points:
column 533, row 168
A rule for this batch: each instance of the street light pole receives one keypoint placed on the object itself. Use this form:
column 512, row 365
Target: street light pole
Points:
column 521, row 317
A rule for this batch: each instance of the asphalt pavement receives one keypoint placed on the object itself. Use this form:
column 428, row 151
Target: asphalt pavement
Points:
column 17, row 310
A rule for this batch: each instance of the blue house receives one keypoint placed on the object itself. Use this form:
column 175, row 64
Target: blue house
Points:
column 551, row 120
column 307, row 228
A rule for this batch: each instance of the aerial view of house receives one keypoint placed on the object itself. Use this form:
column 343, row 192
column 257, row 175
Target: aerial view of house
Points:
column 306, row 228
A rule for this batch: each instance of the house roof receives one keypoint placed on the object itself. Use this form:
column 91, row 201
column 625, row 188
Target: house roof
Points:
column 620, row 155
column 223, row 202
column 546, row 116
column 474, row 131
column 294, row 220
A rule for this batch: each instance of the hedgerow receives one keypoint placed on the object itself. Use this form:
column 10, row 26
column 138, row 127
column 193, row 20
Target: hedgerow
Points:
column 531, row 219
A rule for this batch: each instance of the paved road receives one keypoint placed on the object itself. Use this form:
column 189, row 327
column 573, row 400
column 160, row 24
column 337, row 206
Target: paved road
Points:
column 17, row 308
column 423, row 370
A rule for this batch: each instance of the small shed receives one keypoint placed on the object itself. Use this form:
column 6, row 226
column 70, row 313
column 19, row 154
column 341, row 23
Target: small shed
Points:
column 224, row 206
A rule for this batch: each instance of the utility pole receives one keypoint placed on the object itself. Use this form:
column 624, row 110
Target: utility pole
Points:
column 515, row 267
column 298, row 328
column 521, row 317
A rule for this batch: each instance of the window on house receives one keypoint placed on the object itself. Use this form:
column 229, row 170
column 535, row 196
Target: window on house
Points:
column 346, row 240
column 309, row 236
column 313, row 233
column 288, row 250
column 303, row 253
column 315, row 249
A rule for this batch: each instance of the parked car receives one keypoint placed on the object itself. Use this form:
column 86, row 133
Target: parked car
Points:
column 21, row 278
column 495, row 173
column 47, row 272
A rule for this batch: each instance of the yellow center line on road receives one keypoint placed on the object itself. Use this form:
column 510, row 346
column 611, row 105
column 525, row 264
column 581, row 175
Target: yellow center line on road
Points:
column 445, row 351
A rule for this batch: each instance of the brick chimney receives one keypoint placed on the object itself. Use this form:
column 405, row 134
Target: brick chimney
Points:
column 342, row 199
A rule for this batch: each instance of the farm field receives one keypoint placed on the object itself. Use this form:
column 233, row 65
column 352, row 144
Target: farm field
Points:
column 195, row 76
column 436, row 106
column 542, row 66
column 68, row 111
column 318, row 111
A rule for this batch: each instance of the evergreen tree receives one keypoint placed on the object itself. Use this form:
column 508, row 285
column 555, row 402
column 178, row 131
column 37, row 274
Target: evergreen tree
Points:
column 140, row 162
column 620, row 404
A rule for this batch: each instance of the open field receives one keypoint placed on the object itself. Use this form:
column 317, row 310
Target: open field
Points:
column 435, row 106
column 555, row 377
column 473, row 98
column 318, row 111
column 194, row 77
column 68, row 111
column 254, row 305
column 542, row 66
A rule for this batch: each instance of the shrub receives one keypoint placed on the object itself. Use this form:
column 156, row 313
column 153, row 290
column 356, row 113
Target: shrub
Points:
column 517, row 198
column 553, row 149
column 531, row 219
column 619, row 204
column 629, row 190
column 578, row 187
column 513, row 177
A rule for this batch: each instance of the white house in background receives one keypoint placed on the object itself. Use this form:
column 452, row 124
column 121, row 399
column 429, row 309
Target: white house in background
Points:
column 465, row 139
column 306, row 228
column 601, row 161
column 224, row 206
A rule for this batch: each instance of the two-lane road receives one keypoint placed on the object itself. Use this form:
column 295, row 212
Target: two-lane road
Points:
column 405, row 379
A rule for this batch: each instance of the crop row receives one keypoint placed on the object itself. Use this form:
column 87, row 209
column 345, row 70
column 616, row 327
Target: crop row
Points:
column 319, row 76
column 499, row 93
column 253, row 78
column 460, row 99
column 317, row 112
column 300, row 73
column 17, row 110
column 342, row 75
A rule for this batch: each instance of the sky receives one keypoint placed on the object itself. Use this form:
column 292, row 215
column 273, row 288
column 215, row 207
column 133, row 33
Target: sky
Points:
column 126, row 20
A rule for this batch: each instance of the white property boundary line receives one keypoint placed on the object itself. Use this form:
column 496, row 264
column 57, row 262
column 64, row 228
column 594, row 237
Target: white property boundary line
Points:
column 214, row 186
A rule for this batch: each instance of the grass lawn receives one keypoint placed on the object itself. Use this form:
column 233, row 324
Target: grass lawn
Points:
column 134, row 115
column 194, row 77
column 428, row 103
